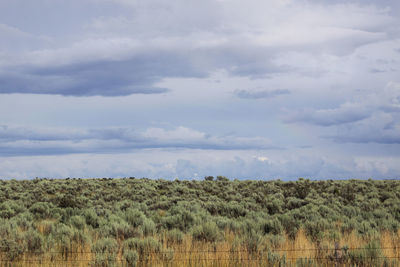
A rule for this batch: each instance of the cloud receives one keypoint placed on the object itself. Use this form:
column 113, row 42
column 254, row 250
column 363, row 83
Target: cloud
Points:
column 346, row 113
column 381, row 128
column 42, row 141
column 371, row 117
column 89, row 68
column 155, row 65
column 388, row 99
column 257, row 94
column 130, row 53
column 195, row 164
column 363, row 107
column 14, row 39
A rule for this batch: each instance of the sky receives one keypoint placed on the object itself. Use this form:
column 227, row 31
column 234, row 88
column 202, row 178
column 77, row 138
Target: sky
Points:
column 256, row 89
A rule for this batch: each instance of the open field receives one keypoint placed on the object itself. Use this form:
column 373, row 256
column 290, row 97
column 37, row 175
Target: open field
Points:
column 128, row 222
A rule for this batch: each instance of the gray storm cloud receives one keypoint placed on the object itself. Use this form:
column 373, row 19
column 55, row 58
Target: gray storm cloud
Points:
column 129, row 54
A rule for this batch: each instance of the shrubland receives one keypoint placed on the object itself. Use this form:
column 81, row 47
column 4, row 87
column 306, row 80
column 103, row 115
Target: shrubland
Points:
column 215, row 222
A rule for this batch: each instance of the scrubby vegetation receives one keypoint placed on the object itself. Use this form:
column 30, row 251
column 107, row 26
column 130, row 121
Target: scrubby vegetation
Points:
column 215, row 222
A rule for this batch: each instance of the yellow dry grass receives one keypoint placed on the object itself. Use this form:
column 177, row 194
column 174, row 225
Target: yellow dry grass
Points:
column 226, row 253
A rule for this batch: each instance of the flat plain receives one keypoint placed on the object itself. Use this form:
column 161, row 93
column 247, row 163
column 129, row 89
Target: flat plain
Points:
column 213, row 222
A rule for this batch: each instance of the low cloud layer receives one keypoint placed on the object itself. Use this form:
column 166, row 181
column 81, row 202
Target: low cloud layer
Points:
column 196, row 164
column 346, row 113
column 42, row 141
column 258, row 94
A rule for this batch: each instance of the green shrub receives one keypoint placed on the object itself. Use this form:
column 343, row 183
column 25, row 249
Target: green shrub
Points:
column 105, row 245
column 348, row 226
column 315, row 229
column 391, row 225
column 121, row 230
column 273, row 226
column 252, row 241
column 274, row 259
column 206, row 232
column 182, row 219
column 222, row 178
column 295, row 203
column 276, row 240
column 24, row 220
column 80, row 237
column 62, row 235
column 174, row 236
column 106, row 250
column 144, row 246
column 46, row 227
column 91, row 218
column 78, row 222
column 364, row 228
column 274, row 205
column 290, row 224
column 209, row 178
column 371, row 255
column 6, row 212
column 41, row 210
column 9, row 209
column 134, row 217
column 222, row 222
column 12, row 249
column 69, row 200
column 258, row 212
column 305, row 262
column 33, row 241
column 106, row 230
column 131, row 257
column 148, row 227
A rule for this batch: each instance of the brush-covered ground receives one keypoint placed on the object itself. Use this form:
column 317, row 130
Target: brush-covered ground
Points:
column 215, row 222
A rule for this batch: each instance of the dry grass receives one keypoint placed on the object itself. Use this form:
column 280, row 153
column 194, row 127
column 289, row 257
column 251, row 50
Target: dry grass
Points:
column 228, row 252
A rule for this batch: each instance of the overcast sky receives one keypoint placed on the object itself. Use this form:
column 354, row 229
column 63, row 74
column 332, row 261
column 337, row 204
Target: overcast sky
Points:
column 186, row 88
